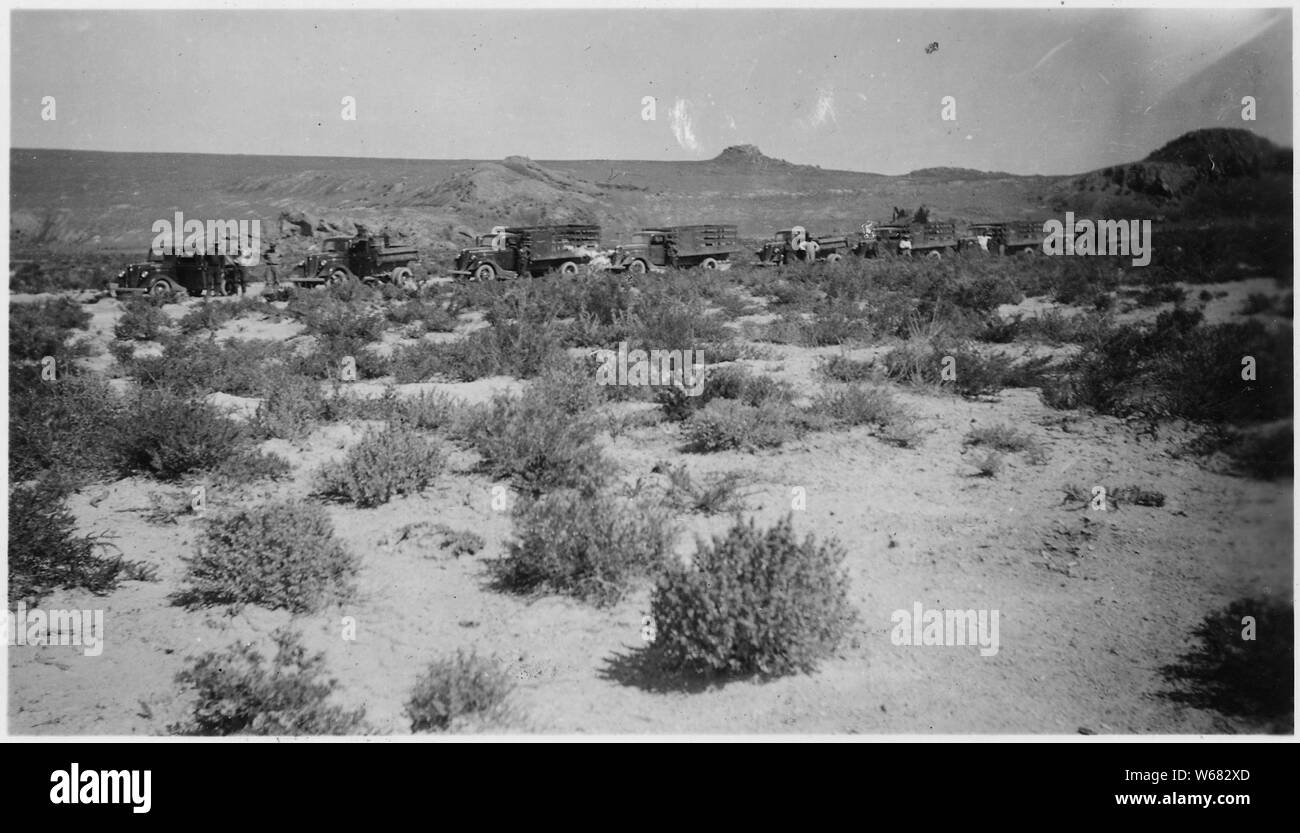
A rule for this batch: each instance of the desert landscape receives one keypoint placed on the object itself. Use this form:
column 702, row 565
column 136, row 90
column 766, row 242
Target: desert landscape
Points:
column 883, row 494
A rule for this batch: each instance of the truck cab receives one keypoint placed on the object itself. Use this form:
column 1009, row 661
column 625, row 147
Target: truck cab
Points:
column 361, row 257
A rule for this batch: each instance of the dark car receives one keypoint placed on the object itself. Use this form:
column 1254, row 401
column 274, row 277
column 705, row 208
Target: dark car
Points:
column 168, row 274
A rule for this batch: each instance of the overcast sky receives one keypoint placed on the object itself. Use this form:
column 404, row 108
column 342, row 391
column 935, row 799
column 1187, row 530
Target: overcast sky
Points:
column 1036, row 91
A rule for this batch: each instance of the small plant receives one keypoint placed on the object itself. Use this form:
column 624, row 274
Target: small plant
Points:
column 853, row 405
column 385, row 463
column 717, row 493
column 143, row 320
column 990, row 465
column 843, row 369
column 239, row 695
column 280, row 555
column 583, row 545
column 456, row 690
column 1001, row 437
column 291, row 408
column 754, row 601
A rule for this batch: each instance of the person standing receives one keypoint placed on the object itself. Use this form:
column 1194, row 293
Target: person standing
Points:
column 905, row 245
column 272, row 260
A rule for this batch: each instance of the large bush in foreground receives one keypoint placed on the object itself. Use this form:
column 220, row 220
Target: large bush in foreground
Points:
column 239, row 695
column 281, row 555
column 457, row 689
column 753, row 601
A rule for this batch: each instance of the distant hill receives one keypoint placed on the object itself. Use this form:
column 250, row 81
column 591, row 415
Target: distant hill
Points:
column 956, row 174
column 750, row 157
column 1198, row 167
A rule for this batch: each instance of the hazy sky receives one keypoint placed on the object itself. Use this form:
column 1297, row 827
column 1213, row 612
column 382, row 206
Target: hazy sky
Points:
column 1036, row 91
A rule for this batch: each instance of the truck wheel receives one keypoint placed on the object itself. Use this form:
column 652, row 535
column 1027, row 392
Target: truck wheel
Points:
column 637, row 267
column 568, row 268
column 160, row 289
column 485, row 272
column 833, row 257
column 936, row 255
column 402, row 277
column 709, row 263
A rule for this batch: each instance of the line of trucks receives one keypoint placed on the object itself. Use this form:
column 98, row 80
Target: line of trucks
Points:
column 519, row 251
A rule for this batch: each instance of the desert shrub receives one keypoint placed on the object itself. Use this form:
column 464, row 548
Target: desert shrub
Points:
column 728, row 424
column 291, row 408
column 975, row 373
column 45, row 552
column 457, row 688
column 279, row 555
column 1178, row 367
column 239, row 695
column 1252, row 678
column 663, row 318
column 212, row 315
column 587, row 545
column 727, row 382
column 715, row 493
column 752, row 601
column 506, row 348
column 328, row 316
column 169, row 436
column 537, row 444
column 42, row 328
column 430, row 317
column 1159, row 294
column 852, row 405
column 1266, row 454
column 326, row 361
column 990, row 465
column 196, row 366
column 1001, row 437
column 385, row 463
column 249, row 465
column 142, row 320
column 833, row 326
column 63, row 426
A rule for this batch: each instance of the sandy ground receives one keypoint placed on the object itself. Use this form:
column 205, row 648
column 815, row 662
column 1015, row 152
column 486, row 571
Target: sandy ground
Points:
column 1092, row 604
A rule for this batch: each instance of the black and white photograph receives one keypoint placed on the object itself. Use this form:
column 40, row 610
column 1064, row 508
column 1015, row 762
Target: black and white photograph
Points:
column 488, row 371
